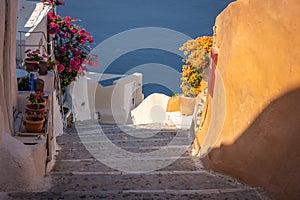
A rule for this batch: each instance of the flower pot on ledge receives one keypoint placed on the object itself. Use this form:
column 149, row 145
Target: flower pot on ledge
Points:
column 173, row 104
column 43, row 67
column 34, row 123
column 35, row 109
column 31, row 66
column 187, row 105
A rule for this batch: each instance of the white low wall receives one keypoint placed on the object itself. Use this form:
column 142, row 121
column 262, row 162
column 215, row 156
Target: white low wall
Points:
column 111, row 104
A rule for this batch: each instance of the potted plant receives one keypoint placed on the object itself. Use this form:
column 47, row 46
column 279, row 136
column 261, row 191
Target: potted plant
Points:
column 37, row 98
column 43, row 67
column 198, row 55
column 34, row 123
column 37, row 104
column 34, row 112
column 33, row 58
column 173, row 104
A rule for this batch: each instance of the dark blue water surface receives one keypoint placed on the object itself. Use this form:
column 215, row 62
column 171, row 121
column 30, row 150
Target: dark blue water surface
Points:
column 106, row 18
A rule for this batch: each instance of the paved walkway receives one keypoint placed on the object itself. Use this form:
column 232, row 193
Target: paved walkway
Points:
column 78, row 175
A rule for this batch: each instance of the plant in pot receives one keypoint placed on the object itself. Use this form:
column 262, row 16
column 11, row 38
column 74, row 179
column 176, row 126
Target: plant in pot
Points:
column 34, row 112
column 37, row 104
column 33, row 58
column 34, row 123
column 173, row 104
column 193, row 84
column 46, row 65
column 43, row 67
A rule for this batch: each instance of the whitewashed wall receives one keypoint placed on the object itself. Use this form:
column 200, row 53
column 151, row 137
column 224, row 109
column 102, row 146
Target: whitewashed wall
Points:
column 8, row 81
column 17, row 169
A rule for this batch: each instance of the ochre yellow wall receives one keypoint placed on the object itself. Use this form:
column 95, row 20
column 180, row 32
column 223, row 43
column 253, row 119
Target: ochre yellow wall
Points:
column 258, row 93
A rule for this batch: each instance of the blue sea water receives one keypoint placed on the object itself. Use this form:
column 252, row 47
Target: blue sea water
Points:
column 107, row 18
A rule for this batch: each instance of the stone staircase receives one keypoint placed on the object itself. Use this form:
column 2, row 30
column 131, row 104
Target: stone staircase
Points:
column 141, row 162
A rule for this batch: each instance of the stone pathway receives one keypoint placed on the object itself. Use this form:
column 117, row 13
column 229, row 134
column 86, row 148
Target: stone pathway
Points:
column 131, row 156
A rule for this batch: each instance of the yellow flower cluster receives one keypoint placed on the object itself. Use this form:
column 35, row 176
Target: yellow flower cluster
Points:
column 186, row 70
column 206, row 43
column 197, row 52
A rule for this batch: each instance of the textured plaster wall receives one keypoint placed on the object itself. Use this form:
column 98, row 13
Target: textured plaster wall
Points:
column 18, row 168
column 259, row 67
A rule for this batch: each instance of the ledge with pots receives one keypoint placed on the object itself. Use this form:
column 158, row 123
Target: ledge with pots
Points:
column 41, row 143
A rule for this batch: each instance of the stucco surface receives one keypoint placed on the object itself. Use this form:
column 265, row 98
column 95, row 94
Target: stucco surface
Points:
column 218, row 114
column 259, row 66
column 7, row 65
column 18, row 168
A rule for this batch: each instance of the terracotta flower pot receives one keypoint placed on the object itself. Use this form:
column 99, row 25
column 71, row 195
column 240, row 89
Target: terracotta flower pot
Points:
column 43, row 67
column 35, row 109
column 34, row 123
column 31, row 66
column 187, row 105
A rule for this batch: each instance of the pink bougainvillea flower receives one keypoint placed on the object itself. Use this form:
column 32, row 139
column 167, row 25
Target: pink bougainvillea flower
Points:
column 76, row 52
column 51, row 16
column 80, row 70
column 70, row 25
column 73, row 63
column 40, row 93
column 82, row 41
column 67, row 19
column 54, row 28
column 76, row 67
column 45, row 56
column 91, row 40
column 60, row 68
column 70, row 45
column 36, row 51
column 65, row 35
column 74, row 30
column 77, row 60
column 63, row 50
column 53, row 25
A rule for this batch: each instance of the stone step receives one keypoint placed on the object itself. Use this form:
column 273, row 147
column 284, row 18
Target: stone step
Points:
column 126, row 139
column 80, row 152
column 133, row 162
column 133, row 135
column 128, row 135
column 139, row 145
column 123, row 136
column 125, row 129
column 126, row 144
column 92, row 165
column 130, row 181
column 95, row 124
column 236, row 193
column 128, row 165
